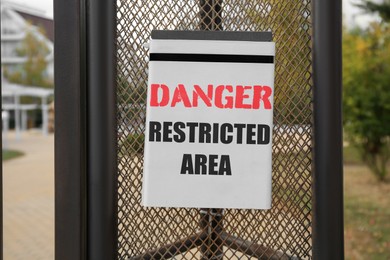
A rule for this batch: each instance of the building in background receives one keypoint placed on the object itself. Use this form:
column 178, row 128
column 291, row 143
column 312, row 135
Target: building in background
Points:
column 24, row 32
column 16, row 21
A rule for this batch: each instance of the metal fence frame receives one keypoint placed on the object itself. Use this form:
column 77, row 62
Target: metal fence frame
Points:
column 85, row 138
column 70, row 135
column 328, row 240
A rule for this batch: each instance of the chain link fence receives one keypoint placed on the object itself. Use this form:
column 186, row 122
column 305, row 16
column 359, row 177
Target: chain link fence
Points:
column 284, row 232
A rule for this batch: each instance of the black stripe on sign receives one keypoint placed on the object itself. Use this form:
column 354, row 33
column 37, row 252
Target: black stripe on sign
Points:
column 184, row 57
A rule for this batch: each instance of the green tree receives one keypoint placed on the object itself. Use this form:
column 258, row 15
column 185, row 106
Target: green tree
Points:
column 33, row 71
column 383, row 8
column 366, row 80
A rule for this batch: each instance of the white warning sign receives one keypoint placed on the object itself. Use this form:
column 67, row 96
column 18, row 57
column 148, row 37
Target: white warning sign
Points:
column 208, row 139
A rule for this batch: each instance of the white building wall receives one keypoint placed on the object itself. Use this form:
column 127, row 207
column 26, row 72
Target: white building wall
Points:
column 13, row 32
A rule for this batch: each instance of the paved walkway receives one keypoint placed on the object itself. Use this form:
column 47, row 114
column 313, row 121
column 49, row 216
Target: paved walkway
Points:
column 28, row 188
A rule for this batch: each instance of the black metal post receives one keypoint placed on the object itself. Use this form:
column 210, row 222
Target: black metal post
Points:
column 102, row 158
column 328, row 239
column 70, row 137
column 211, row 224
column 211, row 220
column 216, row 231
column 204, row 227
column 210, row 15
column 85, row 138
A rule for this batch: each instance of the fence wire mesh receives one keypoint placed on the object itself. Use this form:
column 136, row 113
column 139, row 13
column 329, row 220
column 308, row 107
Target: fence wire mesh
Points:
column 284, row 232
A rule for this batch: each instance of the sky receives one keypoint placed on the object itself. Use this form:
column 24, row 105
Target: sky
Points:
column 352, row 15
column 355, row 16
column 44, row 5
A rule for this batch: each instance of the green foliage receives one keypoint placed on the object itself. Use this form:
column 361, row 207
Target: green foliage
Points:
column 32, row 72
column 134, row 144
column 383, row 8
column 366, row 81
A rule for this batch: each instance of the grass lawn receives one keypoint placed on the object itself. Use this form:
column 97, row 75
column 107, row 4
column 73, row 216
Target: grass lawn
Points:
column 366, row 212
column 10, row 154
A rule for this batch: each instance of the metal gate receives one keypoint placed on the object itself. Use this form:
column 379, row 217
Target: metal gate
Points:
column 161, row 233
column 99, row 161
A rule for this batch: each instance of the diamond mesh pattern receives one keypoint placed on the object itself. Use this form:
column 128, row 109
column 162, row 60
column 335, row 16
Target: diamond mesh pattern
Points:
column 284, row 232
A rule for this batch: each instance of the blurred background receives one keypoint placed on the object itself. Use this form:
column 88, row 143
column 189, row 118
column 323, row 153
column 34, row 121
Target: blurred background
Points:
column 27, row 65
column 366, row 108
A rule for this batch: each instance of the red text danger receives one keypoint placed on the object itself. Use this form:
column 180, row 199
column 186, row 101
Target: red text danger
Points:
column 219, row 96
